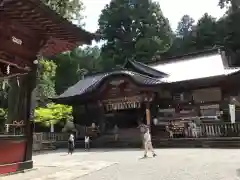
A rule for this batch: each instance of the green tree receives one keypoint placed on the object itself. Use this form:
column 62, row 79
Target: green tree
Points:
column 184, row 38
column 69, row 9
column 46, row 83
column 185, row 26
column 53, row 114
column 230, row 29
column 74, row 65
column 133, row 30
column 232, row 5
column 206, row 33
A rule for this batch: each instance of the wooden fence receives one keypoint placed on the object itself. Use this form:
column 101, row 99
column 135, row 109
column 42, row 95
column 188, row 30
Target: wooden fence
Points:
column 206, row 130
column 220, row 130
column 48, row 136
column 46, row 140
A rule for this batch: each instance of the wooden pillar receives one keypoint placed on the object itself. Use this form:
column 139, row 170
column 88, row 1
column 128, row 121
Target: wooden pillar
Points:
column 30, row 106
column 148, row 114
column 101, row 117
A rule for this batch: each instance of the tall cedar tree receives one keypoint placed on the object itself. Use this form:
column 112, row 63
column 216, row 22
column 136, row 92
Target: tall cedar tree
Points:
column 133, row 29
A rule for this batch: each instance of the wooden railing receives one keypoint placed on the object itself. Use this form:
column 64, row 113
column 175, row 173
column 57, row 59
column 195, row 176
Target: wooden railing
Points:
column 14, row 129
column 47, row 136
column 206, row 130
column 220, row 130
column 46, row 140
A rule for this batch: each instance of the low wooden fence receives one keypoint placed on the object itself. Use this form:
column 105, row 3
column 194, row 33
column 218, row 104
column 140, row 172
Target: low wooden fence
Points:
column 47, row 136
column 205, row 130
column 220, row 130
column 46, row 140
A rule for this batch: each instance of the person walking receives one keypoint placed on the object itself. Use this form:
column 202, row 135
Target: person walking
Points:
column 87, row 142
column 170, row 129
column 148, row 143
column 194, row 129
column 71, row 144
column 142, row 128
column 116, row 132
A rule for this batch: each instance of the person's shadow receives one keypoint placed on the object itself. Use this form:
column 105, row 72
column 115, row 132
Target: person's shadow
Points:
column 238, row 172
column 143, row 158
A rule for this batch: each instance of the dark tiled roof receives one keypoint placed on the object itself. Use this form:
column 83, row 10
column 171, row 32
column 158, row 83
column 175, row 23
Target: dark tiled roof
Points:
column 144, row 69
column 92, row 82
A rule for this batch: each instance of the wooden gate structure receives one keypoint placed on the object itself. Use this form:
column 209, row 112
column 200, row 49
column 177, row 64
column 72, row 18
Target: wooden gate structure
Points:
column 29, row 29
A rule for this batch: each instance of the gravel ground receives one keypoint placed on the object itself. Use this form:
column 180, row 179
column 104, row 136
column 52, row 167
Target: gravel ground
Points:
column 170, row 164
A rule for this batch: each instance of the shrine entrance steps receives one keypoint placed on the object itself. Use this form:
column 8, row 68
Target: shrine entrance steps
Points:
column 214, row 142
column 108, row 142
column 128, row 138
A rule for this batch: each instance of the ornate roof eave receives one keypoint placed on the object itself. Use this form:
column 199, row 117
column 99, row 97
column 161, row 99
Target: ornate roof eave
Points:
column 60, row 34
column 91, row 83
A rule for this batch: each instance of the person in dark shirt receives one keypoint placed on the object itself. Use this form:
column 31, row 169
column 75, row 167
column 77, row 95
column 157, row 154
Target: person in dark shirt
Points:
column 71, row 144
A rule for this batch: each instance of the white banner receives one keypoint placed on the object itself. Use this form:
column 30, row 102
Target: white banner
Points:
column 232, row 112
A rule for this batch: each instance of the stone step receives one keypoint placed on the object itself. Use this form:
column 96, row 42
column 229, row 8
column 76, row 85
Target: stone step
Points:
column 164, row 143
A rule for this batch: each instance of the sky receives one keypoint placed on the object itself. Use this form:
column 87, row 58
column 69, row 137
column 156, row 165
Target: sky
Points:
column 172, row 9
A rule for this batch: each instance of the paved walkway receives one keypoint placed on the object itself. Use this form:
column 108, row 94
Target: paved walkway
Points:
column 170, row 164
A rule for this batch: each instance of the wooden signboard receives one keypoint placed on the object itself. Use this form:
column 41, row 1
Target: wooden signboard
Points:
column 119, row 88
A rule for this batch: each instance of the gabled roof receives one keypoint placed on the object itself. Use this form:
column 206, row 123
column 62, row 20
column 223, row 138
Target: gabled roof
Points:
column 194, row 67
column 91, row 83
column 144, row 69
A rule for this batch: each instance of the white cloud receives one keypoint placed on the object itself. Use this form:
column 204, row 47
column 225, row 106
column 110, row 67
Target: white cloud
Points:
column 172, row 9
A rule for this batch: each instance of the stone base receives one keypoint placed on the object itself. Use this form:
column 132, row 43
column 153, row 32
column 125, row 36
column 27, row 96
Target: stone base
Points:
column 8, row 169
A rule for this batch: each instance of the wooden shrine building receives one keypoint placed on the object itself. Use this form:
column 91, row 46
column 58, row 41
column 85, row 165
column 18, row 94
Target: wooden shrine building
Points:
column 104, row 95
column 180, row 88
column 29, row 29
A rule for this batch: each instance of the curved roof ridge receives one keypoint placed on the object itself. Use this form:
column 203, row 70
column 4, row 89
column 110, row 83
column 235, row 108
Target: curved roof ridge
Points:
column 92, row 82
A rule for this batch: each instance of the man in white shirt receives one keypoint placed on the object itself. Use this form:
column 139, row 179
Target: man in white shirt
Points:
column 116, row 133
column 148, row 143
column 87, row 142
column 71, row 144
